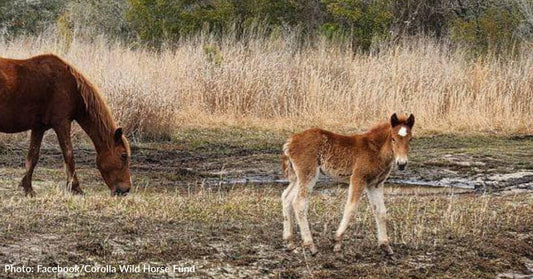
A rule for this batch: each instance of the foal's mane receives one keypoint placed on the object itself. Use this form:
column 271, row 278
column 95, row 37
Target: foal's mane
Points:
column 95, row 106
column 378, row 128
column 385, row 126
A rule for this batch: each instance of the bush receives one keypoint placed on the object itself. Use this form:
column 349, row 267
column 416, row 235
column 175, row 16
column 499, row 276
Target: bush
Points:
column 489, row 27
column 362, row 20
column 19, row 16
column 96, row 17
column 158, row 20
column 482, row 25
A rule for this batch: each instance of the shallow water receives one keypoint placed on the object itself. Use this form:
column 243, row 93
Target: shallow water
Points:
column 392, row 187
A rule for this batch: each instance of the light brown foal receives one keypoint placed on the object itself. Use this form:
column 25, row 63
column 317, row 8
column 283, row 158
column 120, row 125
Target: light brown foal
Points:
column 363, row 160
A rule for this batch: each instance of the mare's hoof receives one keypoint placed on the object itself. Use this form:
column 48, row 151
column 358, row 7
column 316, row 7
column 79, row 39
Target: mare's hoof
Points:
column 29, row 193
column 77, row 192
column 386, row 249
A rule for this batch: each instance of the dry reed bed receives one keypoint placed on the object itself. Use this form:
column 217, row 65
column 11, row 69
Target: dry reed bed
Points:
column 270, row 84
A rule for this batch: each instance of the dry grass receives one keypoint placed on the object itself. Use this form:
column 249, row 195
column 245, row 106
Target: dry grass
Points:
column 270, row 85
column 174, row 216
column 239, row 232
column 413, row 219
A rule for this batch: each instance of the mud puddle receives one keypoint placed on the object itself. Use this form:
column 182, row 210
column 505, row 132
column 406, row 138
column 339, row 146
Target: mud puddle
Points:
column 496, row 182
column 437, row 164
column 324, row 186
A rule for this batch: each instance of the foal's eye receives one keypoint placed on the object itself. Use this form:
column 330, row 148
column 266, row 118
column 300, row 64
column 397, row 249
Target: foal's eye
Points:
column 393, row 140
column 124, row 157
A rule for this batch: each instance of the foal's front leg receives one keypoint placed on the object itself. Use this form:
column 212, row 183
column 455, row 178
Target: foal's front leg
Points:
column 354, row 195
column 375, row 196
column 63, row 136
column 31, row 160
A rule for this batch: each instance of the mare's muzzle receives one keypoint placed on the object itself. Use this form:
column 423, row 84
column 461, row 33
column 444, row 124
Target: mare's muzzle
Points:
column 119, row 192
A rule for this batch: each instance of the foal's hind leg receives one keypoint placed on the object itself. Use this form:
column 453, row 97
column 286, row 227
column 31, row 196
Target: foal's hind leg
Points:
column 63, row 136
column 305, row 183
column 31, row 160
column 288, row 222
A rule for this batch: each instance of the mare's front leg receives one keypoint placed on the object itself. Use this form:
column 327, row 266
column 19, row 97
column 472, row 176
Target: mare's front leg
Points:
column 31, row 160
column 354, row 195
column 375, row 196
column 63, row 136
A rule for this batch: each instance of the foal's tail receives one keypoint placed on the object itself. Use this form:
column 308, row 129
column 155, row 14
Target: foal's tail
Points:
column 286, row 164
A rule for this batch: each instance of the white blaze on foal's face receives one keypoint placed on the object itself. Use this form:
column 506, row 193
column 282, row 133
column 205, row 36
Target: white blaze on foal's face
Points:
column 402, row 132
column 400, row 137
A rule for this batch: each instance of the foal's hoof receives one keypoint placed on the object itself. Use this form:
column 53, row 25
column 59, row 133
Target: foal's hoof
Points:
column 386, row 249
column 337, row 248
column 312, row 249
column 290, row 246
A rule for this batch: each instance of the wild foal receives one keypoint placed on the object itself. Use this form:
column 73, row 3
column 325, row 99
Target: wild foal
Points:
column 365, row 160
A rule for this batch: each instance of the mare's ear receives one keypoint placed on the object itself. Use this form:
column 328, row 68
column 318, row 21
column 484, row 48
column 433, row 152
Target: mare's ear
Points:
column 410, row 121
column 394, row 121
column 118, row 135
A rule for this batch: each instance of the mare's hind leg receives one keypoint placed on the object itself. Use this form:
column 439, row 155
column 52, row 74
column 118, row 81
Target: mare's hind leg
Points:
column 354, row 195
column 304, row 185
column 63, row 136
column 31, row 160
column 288, row 222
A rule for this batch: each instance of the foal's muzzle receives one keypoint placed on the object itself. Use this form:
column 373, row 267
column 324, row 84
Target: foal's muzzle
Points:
column 402, row 165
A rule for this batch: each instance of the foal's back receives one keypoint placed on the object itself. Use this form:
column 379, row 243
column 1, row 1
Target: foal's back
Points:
column 334, row 154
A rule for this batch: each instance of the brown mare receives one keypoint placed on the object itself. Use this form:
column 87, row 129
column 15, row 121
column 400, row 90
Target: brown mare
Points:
column 44, row 92
column 363, row 160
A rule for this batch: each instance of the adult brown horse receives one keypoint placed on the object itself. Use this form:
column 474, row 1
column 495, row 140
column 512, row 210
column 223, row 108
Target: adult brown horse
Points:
column 44, row 92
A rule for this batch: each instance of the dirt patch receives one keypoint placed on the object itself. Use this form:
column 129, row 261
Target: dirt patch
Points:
column 214, row 207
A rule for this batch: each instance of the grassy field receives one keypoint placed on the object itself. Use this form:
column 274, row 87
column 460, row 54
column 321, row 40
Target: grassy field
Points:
column 207, row 119
column 186, row 211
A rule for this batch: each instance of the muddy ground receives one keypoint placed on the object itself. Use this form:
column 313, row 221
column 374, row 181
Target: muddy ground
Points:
column 210, row 199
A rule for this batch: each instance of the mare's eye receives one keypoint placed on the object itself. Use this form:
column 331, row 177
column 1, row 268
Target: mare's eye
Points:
column 124, row 157
column 393, row 140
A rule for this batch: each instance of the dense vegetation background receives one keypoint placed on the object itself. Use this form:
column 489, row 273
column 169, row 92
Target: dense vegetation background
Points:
column 461, row 66
column 479, row 24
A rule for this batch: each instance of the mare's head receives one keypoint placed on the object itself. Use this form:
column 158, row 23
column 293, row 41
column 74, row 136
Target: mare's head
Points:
column 114, row 165
column 401, row 137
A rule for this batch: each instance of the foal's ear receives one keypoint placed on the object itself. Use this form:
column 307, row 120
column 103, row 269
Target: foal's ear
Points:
column 410, row 121
column 394, row 121
column 118, row 135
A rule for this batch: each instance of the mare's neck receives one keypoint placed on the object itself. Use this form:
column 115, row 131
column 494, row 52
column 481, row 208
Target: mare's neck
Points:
column 99, row 129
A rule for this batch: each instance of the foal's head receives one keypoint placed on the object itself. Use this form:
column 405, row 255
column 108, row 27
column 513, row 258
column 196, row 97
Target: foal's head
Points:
column 114, row 165
column 401, row 136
